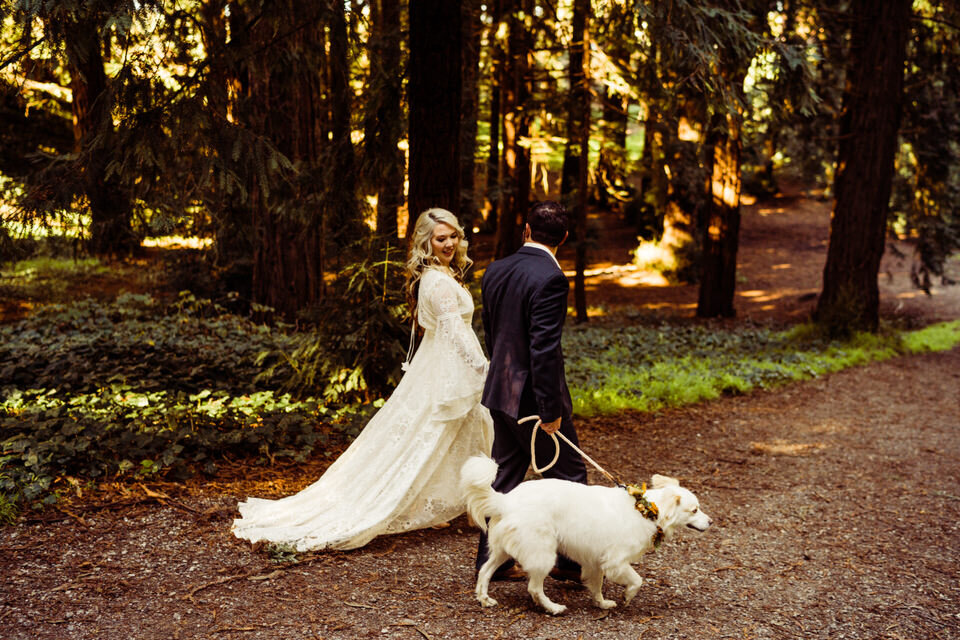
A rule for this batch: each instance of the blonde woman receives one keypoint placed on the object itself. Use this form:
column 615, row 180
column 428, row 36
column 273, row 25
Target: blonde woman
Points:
column 402, row 471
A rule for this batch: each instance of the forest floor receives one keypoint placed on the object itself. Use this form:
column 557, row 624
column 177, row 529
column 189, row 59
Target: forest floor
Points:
column 836, row 506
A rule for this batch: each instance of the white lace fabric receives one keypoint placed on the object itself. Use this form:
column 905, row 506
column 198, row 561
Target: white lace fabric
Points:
column 402, row 471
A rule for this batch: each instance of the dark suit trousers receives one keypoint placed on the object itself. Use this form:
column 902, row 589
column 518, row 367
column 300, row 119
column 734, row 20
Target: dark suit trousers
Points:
column 511, row 451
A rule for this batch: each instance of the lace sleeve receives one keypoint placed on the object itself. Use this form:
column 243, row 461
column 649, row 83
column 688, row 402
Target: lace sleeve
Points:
column 444, row 300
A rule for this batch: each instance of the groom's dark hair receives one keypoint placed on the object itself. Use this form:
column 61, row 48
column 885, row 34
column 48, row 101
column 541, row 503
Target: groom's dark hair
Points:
column 548, row 223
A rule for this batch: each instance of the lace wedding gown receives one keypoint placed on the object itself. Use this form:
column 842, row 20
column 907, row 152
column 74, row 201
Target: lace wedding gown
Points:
column 402, row 471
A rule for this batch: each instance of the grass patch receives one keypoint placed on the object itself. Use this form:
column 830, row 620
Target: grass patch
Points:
column 647, row 369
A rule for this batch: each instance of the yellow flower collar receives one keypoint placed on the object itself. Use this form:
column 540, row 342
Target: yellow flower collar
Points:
column 646, row 508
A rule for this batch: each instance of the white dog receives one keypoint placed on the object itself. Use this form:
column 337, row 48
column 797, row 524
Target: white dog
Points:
column 601, row 528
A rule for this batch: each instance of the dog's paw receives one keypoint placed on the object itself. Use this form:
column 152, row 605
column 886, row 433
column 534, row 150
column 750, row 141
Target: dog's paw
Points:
column 555, row 609
column 606, row 604
column 487, row 601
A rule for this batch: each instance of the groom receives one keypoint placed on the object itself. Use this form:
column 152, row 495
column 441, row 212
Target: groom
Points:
column 524, row 307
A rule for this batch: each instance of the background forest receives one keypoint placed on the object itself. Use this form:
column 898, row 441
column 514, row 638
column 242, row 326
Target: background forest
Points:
column 289, row 142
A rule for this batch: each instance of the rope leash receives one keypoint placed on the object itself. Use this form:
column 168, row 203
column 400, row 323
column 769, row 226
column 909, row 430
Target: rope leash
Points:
column 556, row 455
column 648, row 509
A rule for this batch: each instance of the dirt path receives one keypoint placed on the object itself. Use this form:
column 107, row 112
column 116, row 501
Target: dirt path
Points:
column 837, row 509
column 836, row 505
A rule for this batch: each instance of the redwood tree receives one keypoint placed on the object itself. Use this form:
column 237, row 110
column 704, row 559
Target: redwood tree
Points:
column 383, row 127
column 282, row 103
column 576, row 156
column 515, row 94
column 92, row 105
column 722, row 228
column 868, row 142
column 472, row 25
column 433, row 96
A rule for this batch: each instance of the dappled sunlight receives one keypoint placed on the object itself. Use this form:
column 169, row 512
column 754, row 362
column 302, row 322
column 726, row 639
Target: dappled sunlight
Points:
column 768, row 211
column 656, row 306
column 915, row 294
column 780, row 447
column 178, row 242
column 648, row 278
column 626, row 275
column 592, row 312
column 649, row 255
column 768, row 295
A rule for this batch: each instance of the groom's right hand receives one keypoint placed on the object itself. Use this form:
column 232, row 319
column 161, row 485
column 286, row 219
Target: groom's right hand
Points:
column 551, row 427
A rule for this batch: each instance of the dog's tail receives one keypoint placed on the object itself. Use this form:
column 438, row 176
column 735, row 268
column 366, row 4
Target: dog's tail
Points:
column 476, row 476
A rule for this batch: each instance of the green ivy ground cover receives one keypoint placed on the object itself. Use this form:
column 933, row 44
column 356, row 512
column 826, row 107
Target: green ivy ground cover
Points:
column 91, row 390
column 646, row 368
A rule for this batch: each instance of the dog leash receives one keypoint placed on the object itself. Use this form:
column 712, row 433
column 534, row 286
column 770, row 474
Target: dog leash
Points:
column 648, row 509
column 556, row 455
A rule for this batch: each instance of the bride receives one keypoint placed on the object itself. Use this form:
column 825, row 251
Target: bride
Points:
column 402, row 471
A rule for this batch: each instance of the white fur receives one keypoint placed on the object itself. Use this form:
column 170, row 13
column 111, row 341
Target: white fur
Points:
column 598, row 527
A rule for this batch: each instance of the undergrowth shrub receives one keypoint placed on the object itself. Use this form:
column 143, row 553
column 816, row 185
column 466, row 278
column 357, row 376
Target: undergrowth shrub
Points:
column 98, row 390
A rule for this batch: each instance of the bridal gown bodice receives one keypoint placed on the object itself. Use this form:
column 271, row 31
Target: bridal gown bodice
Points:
column 402, row 471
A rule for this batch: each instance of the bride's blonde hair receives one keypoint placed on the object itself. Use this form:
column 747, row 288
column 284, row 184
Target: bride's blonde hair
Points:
column 421, row 251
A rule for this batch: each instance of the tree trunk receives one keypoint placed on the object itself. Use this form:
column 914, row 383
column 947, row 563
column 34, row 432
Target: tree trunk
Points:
column 110, row 231
column 385, row 161
column 578, row 147
column 468, row 111
column 722, row 228
column 610, row 178
column 868, row 142
column 284, row 104
column 342, row 181
column 498, row 59
column 434, row 102
column 515, row 199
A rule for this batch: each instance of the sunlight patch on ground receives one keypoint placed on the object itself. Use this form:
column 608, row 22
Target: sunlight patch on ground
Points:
column 655, row 306
column 917, row 293
column 769, row 211
column 178, row 242
column 626, row 275
column 783, row 448
column 785, row 265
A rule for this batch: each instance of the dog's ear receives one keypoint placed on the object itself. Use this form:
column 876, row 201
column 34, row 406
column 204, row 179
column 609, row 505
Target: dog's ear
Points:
column 669, row 507
column 659, row 482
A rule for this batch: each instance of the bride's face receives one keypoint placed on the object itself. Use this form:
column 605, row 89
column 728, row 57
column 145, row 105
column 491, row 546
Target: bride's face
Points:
column 444, row 243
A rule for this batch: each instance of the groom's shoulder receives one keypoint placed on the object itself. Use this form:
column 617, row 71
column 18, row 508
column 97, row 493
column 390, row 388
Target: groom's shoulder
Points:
column 501, row 264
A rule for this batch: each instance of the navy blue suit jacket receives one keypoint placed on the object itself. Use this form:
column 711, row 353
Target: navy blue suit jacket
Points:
column 524, row 308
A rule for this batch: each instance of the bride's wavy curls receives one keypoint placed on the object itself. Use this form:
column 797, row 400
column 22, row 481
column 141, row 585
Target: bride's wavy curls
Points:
column 421, row 252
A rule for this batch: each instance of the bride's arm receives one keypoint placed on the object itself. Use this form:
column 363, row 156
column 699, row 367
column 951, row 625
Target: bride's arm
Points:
column 444, row 301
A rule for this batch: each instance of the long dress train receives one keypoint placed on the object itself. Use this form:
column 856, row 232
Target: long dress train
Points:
column 402, row 471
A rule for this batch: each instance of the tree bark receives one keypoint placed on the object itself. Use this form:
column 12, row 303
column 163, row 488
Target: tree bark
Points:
column 385, row 161
column 869, row 124
column 342, row 186
column 578, row 147
column 722, row 228
column 515, row 171
column 111, row 233
column 498, row 59
column 468, row 120
column 284, row 104
column 433, row 95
